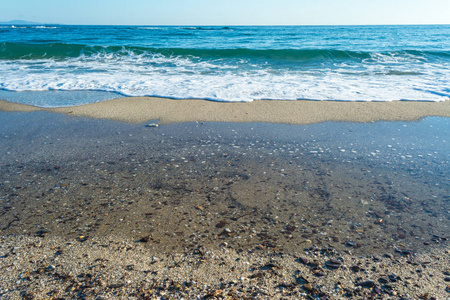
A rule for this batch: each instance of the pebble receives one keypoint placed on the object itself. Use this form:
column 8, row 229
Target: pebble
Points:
column 221, row 224
column 115, row 286
column 368, row 284
column 303, row 260
column 393, row 277
column 383, row 279
column 404, row 251
column 145, row 239
column 333, row 264
column 42, row 232
column 335, row 261
column 318, row 273
column 350, row 244
column 51, row 268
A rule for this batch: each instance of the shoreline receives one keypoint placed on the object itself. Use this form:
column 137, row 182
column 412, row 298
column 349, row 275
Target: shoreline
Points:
column 166, row 111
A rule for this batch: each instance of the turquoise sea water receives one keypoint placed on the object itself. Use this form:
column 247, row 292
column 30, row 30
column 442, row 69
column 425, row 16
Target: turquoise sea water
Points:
column 347, row 63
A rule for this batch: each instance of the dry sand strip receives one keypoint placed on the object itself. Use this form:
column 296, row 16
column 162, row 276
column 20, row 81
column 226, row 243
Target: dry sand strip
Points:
column 117, row 268
column 142, row 109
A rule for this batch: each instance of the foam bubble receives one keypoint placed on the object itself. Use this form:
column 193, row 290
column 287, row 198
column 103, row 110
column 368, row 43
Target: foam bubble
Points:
column 380, row 78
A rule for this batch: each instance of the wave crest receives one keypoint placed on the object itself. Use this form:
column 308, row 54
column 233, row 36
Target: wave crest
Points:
column 11, row 51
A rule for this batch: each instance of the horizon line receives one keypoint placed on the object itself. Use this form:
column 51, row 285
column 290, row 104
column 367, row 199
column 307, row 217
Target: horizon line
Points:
column 221, row 25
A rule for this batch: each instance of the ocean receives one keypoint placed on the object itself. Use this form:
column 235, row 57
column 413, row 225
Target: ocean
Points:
column 60, row 65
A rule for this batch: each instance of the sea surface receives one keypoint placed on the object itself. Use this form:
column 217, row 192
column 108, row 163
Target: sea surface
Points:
column 72, row 65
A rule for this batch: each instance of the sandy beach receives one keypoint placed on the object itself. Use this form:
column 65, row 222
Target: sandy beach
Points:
column 142, row 109
column 116, row 268
column 294, row 151
column 242, row 209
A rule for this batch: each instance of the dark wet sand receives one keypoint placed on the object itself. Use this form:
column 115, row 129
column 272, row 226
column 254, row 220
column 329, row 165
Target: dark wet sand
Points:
column 337, row 189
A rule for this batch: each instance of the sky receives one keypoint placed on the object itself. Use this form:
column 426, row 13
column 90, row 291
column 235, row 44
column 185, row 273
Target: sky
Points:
column 228, row 12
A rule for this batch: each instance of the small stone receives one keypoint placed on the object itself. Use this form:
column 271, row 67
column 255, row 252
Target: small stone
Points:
column 440, row 237
column 368, row 284
column 270, row 266
column 221, row 224
column 333, row 264
column 303, row 260
column 115, row 286
column 383, row 280
column 393, row 277
column 83, row 238
column 302, row 280
column 152, row 125
column 405, row 252
column 318, row 273
column 226, row 232
column 50, row 268
column 42, row 232
column 355, row 269
column 308, row 287
column 145, row 239
column 447, row 279
column 351, row 244
column 388, row 255
column 257, row 275
column 290, row 228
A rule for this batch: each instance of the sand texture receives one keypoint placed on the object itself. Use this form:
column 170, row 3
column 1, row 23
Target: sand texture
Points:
column 142, row 109
column 99, row 209
column 114, row 268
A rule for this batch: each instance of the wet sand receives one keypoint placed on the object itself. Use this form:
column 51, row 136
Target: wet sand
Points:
column 218, row 202
column 142, row 109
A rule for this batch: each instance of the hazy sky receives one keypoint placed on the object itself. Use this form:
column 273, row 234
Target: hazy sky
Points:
column 228, row 12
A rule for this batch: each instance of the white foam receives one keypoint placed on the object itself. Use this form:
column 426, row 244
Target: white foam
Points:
column 46, row 27
column 189, row 77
